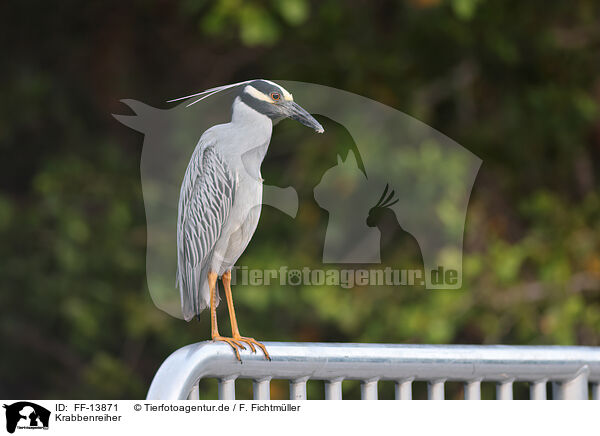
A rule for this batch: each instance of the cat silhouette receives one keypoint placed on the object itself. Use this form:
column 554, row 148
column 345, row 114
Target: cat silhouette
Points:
column 345, row 192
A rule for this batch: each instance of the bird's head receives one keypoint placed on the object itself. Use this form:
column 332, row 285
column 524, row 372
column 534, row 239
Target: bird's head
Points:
column 377, row 212
column 274, row 101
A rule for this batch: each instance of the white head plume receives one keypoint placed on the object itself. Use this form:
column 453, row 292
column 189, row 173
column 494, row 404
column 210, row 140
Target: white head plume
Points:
column 209, row 92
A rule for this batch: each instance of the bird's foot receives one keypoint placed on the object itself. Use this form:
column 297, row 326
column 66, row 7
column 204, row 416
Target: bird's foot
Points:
column 251, row 343
column 235, row 343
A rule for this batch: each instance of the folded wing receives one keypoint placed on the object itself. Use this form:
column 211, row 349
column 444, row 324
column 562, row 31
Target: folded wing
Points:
column 206, row 197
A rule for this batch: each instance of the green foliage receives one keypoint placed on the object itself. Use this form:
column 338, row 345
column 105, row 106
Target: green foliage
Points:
column 464, row 9
column 258, row 23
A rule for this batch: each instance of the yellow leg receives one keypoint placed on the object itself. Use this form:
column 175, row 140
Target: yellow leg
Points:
column 234, row 343
column 234, row 326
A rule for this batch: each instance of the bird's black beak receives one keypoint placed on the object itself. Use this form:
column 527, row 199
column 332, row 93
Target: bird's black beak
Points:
column 295, row 112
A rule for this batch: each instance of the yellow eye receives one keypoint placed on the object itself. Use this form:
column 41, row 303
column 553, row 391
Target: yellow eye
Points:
column 275, row 96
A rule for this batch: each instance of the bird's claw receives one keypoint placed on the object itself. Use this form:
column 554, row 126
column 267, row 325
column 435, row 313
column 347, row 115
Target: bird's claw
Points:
column 251, row 343
column 235, row 343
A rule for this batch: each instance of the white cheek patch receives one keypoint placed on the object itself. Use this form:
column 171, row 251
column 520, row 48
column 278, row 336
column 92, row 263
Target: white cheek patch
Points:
column 257, row 94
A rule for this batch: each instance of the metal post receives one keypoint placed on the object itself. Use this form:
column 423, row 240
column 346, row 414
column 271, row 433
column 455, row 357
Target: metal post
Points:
column 473, row 390
column 434, row 363
column 227, row 389
column 333, row 389
column 298, row 389
column 261, row 389
column 575, row 389
column 194, row 393
column 504, row 390
column 537, row 390
column 368, row 389
column 404, row 389
column 435, row 390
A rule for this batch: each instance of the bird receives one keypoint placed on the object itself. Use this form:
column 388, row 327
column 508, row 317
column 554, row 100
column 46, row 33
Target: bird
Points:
column 394, row 239
column 221, row 195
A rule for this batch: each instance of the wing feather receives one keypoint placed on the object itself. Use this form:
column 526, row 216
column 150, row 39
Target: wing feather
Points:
column 206, row 197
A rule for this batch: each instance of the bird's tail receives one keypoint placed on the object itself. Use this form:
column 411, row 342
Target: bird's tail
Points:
column 194, row 291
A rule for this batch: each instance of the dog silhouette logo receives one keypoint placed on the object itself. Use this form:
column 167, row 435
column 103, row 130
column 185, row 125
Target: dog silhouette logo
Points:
column 26, row 415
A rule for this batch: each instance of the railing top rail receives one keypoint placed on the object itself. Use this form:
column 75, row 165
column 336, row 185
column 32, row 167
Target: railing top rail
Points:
column 330, row 361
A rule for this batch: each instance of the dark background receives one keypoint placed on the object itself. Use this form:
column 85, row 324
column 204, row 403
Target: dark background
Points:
column 514, row 82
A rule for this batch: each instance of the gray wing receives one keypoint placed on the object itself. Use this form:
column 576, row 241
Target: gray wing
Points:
column 206, row 197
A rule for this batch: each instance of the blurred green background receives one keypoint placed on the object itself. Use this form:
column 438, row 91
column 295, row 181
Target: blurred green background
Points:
column 514, row 82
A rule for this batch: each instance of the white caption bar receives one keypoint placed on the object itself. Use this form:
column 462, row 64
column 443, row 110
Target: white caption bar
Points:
column 296, row 417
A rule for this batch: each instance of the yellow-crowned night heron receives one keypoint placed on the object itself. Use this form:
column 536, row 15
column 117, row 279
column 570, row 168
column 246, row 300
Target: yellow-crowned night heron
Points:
column 221, row 196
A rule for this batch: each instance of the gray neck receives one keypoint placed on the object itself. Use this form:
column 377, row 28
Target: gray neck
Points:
column 254, row 131
column 244, row 114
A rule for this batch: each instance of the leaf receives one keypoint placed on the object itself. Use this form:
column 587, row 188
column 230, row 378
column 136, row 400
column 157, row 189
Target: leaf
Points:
column 464, row 9
column 295, row 12
column 257, row 26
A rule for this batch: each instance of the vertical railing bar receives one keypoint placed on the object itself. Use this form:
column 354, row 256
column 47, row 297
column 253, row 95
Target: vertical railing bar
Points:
column 404, row 389
column 298, row 389
column 195, row 392
column 595, row 391
column 537, row 390
column 574, row 389
column 435, row 389
column 227, row 389
column 261, row 389
column 473, row 390
column 368, row 389
column 333, row 389
column 504, row 390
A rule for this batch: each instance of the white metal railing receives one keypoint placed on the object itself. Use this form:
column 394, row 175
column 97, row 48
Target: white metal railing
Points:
column 574, row 371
